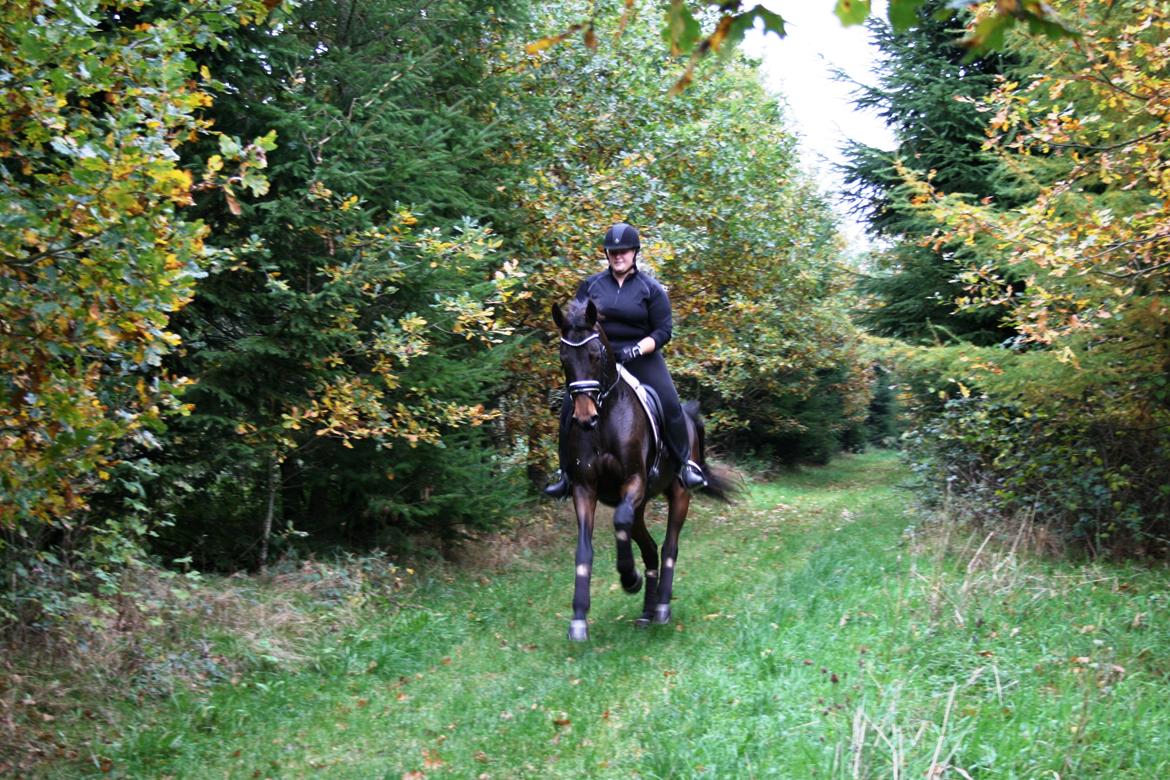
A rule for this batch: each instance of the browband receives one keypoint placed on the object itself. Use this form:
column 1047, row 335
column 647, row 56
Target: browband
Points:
column 582, row 342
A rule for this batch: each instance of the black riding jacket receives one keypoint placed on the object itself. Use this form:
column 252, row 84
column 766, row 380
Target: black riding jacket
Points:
column 631, row 311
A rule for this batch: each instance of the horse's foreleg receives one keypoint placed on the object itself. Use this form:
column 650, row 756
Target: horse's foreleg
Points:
column 649, row 552
column 625, row 516
column 680, row 502
column 586, row 506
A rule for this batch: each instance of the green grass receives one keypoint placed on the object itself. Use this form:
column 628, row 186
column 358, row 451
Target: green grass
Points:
column 820, row 631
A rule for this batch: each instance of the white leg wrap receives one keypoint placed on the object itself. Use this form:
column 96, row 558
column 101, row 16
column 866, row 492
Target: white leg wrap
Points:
column 582, row 571
column 622, row 536
column 669, row 563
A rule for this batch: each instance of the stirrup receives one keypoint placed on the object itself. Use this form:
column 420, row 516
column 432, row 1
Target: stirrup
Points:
column 691, row 476
column 558, row 489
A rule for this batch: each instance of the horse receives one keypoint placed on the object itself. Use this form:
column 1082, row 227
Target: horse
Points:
column 609, row 458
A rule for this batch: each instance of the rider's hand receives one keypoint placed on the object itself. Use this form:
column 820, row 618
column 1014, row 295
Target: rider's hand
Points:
column 629, row 353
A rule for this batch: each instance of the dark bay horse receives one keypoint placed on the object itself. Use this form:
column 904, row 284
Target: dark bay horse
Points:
column 608, row 457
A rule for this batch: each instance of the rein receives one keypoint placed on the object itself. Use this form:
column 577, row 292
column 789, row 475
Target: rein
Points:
column 590, row 386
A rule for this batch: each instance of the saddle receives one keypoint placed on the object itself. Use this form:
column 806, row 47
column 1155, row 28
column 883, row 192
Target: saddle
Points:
column 652, row 406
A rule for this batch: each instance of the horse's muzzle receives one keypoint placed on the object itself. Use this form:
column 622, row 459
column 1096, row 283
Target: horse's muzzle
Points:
column 589, row 423
column 585, row 411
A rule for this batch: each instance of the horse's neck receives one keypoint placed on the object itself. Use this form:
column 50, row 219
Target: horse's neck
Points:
column 620, row 395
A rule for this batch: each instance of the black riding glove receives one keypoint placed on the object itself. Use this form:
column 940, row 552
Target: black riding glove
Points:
column 629, row 353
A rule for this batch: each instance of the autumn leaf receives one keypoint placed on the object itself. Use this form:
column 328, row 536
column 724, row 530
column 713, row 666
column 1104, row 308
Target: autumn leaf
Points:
column 431, row 759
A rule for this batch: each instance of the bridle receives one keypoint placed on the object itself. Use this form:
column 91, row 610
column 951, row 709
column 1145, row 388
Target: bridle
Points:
column 591, row 387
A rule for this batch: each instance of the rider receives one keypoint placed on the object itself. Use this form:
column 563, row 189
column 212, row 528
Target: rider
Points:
column 636, row 312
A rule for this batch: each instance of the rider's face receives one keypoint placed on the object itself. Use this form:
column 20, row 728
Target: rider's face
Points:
column 621, row 261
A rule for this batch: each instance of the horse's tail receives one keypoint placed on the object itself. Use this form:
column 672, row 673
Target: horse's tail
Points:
column 723, row 484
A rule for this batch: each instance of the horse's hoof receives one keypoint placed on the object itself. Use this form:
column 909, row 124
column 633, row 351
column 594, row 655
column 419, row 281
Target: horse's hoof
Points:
column 637, row 586
column 578, row 631
column 662, row 614
column 642, row 622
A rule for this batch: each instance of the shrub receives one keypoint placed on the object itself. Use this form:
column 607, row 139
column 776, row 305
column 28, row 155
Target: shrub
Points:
column 1097, row 481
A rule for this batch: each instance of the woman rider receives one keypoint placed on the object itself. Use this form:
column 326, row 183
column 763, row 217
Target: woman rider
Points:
column 636, row 312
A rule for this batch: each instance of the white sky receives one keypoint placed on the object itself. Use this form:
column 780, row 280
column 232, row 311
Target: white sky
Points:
column 798, row 68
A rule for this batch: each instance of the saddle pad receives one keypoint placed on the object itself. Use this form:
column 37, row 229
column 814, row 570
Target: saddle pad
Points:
column 649, row 400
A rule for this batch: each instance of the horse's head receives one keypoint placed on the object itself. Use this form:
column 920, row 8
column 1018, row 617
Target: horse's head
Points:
column 586, row 359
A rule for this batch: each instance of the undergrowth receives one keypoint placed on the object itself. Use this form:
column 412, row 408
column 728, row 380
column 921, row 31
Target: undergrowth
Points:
column 65, row 681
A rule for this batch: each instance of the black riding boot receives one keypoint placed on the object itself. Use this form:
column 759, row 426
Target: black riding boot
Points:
column 690, row 474
column 559, row 488
column 559, row 485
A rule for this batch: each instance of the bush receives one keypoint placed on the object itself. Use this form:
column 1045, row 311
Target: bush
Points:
column 1097, row 481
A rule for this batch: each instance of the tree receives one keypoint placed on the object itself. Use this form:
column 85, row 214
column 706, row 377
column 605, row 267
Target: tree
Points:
column 97, row 253
column 741, row 238
column 357, row 335
column 1085, row 128
column 927, row 94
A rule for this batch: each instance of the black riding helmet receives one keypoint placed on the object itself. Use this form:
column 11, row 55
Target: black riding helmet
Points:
column 622, row 236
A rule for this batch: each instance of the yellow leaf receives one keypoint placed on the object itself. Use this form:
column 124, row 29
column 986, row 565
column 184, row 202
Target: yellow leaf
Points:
column 543, row 43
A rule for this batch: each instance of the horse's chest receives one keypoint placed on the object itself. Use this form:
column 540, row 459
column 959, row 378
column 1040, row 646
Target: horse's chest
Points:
column 606, row 469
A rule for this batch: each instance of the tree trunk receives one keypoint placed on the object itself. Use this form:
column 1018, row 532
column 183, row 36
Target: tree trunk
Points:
column 273, row 481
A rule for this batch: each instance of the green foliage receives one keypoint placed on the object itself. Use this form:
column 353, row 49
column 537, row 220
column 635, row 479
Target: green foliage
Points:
column 699, row 34
column 354, row 340
column 96, row 256
column 927, row 95
column 392, row 341
column 1076, row 263
column 1098, row 483
column 1023, row 433
column 97, row 96
column 800, row 426
column 882, row 423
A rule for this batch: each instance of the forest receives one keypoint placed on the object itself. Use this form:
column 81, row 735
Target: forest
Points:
column 275, row 282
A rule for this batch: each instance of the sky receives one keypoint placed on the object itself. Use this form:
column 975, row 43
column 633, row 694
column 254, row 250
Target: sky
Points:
column 798, row 67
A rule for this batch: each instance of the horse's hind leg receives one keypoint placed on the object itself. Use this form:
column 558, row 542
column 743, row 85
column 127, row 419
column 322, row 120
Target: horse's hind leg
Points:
column 680, row 503
column 649, row 552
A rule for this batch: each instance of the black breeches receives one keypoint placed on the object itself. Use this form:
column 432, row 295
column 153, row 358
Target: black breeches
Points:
column 651, row 370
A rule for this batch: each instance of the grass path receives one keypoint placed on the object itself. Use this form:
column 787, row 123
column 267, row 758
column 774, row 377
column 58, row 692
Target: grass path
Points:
column 813, row 637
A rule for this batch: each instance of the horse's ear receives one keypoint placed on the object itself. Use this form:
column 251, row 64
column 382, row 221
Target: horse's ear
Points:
column 590, row 314
column 558, row 318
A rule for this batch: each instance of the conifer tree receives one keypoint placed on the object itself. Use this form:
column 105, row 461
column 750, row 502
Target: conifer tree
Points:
column 347, row 356
column 927, row 94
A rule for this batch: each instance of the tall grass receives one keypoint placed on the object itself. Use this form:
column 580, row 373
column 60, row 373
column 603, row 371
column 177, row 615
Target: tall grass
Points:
column 821, row 630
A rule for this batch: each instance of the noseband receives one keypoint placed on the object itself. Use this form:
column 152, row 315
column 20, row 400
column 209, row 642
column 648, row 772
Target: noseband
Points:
column 590, row 387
